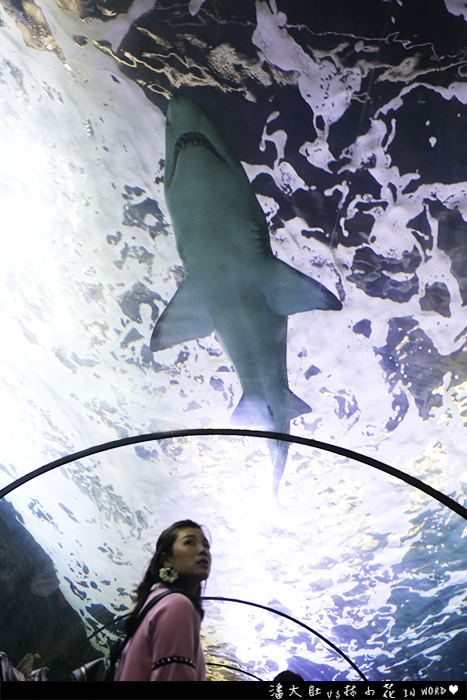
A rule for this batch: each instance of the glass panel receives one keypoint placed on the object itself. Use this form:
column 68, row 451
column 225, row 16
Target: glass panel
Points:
column 373, row 565
column 349, row 120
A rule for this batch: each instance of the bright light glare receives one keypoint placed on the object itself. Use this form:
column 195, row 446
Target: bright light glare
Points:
column 27, row 199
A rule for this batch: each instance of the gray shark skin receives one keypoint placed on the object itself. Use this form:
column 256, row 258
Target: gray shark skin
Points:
column 234, row 285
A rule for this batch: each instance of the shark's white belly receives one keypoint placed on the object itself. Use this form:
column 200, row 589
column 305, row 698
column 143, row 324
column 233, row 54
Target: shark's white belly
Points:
column 234, row 285
column 220, row 216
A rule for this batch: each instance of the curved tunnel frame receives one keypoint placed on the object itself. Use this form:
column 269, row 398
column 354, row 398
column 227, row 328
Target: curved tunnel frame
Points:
column 293, row 619
column 232, row 668
column 284, row 437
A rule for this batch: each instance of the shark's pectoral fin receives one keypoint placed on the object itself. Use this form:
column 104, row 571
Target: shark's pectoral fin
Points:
column 185, row 318
column 288, row 291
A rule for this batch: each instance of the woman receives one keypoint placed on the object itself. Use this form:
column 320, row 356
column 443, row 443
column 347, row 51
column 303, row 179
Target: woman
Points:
column 167, row 645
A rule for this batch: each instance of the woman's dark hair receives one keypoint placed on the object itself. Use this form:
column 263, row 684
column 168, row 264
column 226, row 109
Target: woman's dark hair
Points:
column 288, row 676
column 164, row 545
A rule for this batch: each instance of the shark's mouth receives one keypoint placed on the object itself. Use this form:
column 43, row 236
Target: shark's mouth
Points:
column 194, row 138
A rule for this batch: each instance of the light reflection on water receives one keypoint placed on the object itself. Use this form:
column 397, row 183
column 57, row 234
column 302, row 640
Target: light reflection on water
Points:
column 88, row 260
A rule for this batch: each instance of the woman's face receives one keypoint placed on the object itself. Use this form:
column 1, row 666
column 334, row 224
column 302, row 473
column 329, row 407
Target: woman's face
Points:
column 190, row 554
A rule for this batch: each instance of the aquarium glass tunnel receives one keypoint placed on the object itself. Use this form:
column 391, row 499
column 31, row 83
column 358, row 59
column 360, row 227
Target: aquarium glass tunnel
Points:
column 233, row 288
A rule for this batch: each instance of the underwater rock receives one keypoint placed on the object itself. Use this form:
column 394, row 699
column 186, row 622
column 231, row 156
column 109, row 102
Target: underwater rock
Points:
column 411, row 358
column 437, row 298
column 35, row 617
column 372, row 273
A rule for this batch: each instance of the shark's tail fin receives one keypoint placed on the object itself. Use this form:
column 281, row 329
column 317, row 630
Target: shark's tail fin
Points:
column 278, row 450
column 254, row 412
column 288, row 291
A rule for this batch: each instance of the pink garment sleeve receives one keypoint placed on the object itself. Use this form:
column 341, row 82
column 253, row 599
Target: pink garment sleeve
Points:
column 174, row 630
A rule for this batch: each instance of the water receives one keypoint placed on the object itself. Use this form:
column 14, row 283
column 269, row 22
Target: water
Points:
column 354, row 146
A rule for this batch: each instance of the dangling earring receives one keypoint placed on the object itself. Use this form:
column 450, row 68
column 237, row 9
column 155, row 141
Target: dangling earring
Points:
column 167, row 574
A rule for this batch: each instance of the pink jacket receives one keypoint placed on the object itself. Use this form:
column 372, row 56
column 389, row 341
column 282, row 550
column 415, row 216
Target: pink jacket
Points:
column 167, row 645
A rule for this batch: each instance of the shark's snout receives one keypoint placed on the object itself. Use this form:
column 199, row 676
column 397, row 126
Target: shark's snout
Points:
column 183, row 115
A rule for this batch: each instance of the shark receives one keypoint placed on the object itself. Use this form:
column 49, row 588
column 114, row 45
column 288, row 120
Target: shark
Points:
column 233, row 285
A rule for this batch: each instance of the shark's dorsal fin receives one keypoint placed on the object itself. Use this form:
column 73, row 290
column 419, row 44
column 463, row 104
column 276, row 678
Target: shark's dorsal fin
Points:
column 185, row 318
column 288, row 291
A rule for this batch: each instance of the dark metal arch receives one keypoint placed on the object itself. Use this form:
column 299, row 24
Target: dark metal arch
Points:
column 284, row 437
column 293, row 619
column 120, row 618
